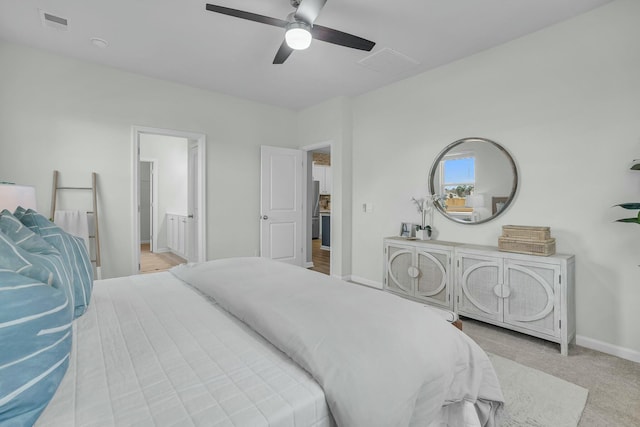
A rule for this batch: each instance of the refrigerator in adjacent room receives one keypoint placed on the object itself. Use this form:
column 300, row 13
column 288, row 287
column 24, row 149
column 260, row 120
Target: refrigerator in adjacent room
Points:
column 315, row 215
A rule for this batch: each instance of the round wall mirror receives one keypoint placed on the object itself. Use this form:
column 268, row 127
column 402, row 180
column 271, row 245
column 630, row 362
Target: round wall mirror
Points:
column 473, row 180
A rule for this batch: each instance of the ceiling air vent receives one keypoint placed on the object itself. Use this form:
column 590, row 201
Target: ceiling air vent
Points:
column 388, row 61
column 52, row 21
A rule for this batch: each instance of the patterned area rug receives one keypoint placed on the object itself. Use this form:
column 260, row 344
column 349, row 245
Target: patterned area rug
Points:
column 534, row 398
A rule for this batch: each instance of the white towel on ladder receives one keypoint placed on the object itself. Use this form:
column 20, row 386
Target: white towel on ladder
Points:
column 73, row 222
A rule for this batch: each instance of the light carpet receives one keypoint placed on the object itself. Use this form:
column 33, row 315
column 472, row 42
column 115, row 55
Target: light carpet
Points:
column 534, row 398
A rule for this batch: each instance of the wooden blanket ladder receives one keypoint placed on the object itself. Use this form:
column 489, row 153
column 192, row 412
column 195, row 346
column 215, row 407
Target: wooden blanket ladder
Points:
column 96, row 234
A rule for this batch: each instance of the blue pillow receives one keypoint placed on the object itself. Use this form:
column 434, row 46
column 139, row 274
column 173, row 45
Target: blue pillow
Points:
column 12, row 258
column 19, row 212
column 35, row 333
column 23, row 236
column 74, row 255
column 32, row 256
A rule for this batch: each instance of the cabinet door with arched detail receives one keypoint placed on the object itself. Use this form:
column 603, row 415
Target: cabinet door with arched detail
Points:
column 433, row 283
column 480, row 287
column 400, row 271
column 534, row 296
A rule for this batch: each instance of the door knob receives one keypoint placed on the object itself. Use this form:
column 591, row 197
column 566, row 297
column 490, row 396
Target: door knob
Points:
column 190, row 216
column 265, row 217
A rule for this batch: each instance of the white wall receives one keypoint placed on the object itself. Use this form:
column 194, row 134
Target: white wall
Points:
column 75, row 116
column 565, row 103
column 172, row 170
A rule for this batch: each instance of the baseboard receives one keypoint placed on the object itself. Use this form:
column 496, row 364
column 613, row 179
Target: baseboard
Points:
column 605, row 347
column 363, row 281
column 161, row 250
column 308, row 265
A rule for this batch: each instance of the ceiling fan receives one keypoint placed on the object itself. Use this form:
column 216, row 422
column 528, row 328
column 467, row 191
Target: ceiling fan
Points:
column 299, row 28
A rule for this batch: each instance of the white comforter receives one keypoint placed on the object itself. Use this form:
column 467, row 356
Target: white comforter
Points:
column 151, row 351
column 381, row 360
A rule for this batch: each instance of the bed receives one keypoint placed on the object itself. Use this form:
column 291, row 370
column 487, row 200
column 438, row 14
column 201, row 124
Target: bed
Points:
column 253, row 342
column 150, row 350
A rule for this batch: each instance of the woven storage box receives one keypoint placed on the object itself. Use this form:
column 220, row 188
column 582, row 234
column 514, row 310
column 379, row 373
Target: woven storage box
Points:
column 525, row 232
column 530, row 247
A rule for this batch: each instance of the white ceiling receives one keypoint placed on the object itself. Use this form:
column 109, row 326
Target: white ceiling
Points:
column 178, row 40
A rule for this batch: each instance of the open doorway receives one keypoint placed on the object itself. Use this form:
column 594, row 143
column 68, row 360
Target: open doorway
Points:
column 320, row 213
column 158, row 250
column 168, row 217
column 155, row 254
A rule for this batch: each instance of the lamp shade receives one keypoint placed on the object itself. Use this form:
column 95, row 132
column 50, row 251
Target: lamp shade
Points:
column 474, row 201
column 12, row 196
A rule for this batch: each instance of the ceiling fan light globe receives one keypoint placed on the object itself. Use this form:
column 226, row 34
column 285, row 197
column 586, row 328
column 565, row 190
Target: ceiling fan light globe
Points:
column 298, row 37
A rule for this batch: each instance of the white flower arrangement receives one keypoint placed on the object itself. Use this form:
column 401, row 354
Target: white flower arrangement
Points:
column 425, row 207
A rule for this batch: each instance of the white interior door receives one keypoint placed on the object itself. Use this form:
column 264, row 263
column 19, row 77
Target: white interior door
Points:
column 281, row 204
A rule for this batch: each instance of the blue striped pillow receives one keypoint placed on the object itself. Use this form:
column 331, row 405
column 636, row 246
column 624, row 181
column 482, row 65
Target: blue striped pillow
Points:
column 15, row 259
column 32, row 256
column 35, row 332
column 74, row 255
column 23, row 236
column 19, row 212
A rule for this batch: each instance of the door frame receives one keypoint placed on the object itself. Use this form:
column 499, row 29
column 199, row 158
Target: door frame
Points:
column 154, row 201
column 201, row 229
column 306, row 214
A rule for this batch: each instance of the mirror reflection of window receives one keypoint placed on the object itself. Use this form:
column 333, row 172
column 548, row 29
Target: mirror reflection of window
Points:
column 458, row 178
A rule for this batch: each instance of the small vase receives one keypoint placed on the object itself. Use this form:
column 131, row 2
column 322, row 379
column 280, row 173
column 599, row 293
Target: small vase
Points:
column 423, row 234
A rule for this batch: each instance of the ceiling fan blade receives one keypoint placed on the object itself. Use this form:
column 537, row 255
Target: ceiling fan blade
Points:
column 247, row 15
column 330, row 35
column 308, row 10
column 283, row 53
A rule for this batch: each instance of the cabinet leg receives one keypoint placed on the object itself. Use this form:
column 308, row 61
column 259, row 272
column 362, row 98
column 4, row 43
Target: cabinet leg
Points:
column 564, row 348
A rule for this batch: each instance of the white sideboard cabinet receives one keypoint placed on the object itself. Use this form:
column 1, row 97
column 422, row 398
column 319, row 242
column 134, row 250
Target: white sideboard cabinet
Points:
column 419, row 271
column 531, row 294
